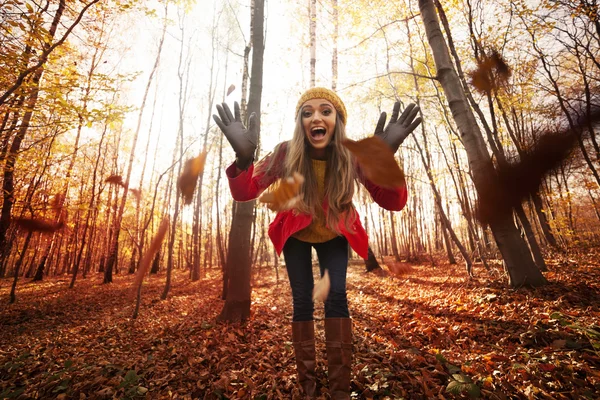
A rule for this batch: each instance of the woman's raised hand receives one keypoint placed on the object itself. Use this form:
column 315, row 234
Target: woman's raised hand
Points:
column 398, row 129
column 242, row 140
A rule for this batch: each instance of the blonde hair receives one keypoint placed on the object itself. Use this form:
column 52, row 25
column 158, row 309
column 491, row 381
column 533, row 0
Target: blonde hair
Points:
column 340, row 175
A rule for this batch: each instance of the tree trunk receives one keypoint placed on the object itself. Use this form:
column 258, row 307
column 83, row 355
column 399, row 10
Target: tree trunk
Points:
column 114, row 247
column 11, row 160
column 517, row 257
column 393, row 238
column 334, row 56
column 237, row 304
column 182, row 74
column 13, row 288
column 312, row 32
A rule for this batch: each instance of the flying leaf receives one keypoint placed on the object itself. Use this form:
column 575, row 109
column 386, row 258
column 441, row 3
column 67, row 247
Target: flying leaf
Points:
column 187, row 181
column 150, row 252
column 321, row 289
column 511, row 183
column 137, row 193
column 285, row 194
column 377, row 161
column 115, row 179
column 491, row 72
column 38, row 225
column 230, row 89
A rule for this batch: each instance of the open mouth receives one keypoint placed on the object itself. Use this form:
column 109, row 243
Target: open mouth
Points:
column 317, row 133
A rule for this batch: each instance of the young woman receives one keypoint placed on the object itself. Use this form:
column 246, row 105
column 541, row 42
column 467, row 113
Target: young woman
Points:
column 323, row 218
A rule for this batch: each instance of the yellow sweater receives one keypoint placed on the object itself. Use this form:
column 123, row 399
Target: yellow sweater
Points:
column 317, row 231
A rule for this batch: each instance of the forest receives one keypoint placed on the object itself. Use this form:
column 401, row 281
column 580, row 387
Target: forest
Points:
column 128, row 271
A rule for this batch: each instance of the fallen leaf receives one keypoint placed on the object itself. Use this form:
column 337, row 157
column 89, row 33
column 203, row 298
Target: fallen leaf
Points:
column 546, row 367
column 285, row 195
column 187, row 181
column 377, row 161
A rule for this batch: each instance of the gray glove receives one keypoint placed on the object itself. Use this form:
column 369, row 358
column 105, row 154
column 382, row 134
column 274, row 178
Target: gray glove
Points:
column 398, row 129
column 242, row 140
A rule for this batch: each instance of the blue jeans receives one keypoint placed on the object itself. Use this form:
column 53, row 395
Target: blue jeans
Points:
column 333, row 256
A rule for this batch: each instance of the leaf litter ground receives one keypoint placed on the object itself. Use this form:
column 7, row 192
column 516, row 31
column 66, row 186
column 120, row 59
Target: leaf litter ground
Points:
column 423, row 332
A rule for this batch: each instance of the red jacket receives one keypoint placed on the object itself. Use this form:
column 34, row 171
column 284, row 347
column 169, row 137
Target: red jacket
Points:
column 248, row 186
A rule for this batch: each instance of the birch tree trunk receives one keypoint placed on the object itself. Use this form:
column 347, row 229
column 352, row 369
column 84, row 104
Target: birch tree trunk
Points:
column 517, row 257
column 334, row 56
column 312, row 29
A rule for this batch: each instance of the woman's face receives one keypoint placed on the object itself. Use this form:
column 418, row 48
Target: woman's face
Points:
column 318, row 119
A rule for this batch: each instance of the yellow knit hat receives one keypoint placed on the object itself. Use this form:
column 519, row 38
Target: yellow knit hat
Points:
column 323, row 93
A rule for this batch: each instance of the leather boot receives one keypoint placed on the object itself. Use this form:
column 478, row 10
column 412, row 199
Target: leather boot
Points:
column 338, row 336
column 303, row 338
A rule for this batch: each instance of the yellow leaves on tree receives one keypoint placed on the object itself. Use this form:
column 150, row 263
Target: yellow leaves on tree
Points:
column 376, row 161
column 187, row 181
column 491, row 72
column 285, row 194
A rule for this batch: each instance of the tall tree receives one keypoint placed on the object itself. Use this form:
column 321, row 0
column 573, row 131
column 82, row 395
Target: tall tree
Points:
column 237, row 303
column 183, row 70
column 520, row 266
column 116, row 228
column 30, row 105
column 312, row 35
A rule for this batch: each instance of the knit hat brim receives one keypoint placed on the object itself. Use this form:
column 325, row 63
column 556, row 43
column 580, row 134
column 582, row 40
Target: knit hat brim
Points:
column 327, row 94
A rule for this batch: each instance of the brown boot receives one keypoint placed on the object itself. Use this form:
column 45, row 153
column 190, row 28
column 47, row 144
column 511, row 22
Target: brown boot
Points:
column 338, row 336
column 303, row 338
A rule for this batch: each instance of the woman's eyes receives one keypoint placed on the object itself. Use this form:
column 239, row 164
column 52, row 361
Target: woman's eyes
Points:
column 326, row 112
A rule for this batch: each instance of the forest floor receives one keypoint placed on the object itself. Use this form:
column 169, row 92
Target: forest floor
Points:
column 427, row 332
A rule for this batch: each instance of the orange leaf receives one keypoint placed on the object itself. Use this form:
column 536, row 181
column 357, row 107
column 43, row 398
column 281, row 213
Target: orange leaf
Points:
column 376, row 161
column 149, row 254
column 187, row 181
column 491, row 72
column 285, row 195
column 546, row 367
column 230, row 89
column 321, row 289
column 115, row 179
column 137, row 193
